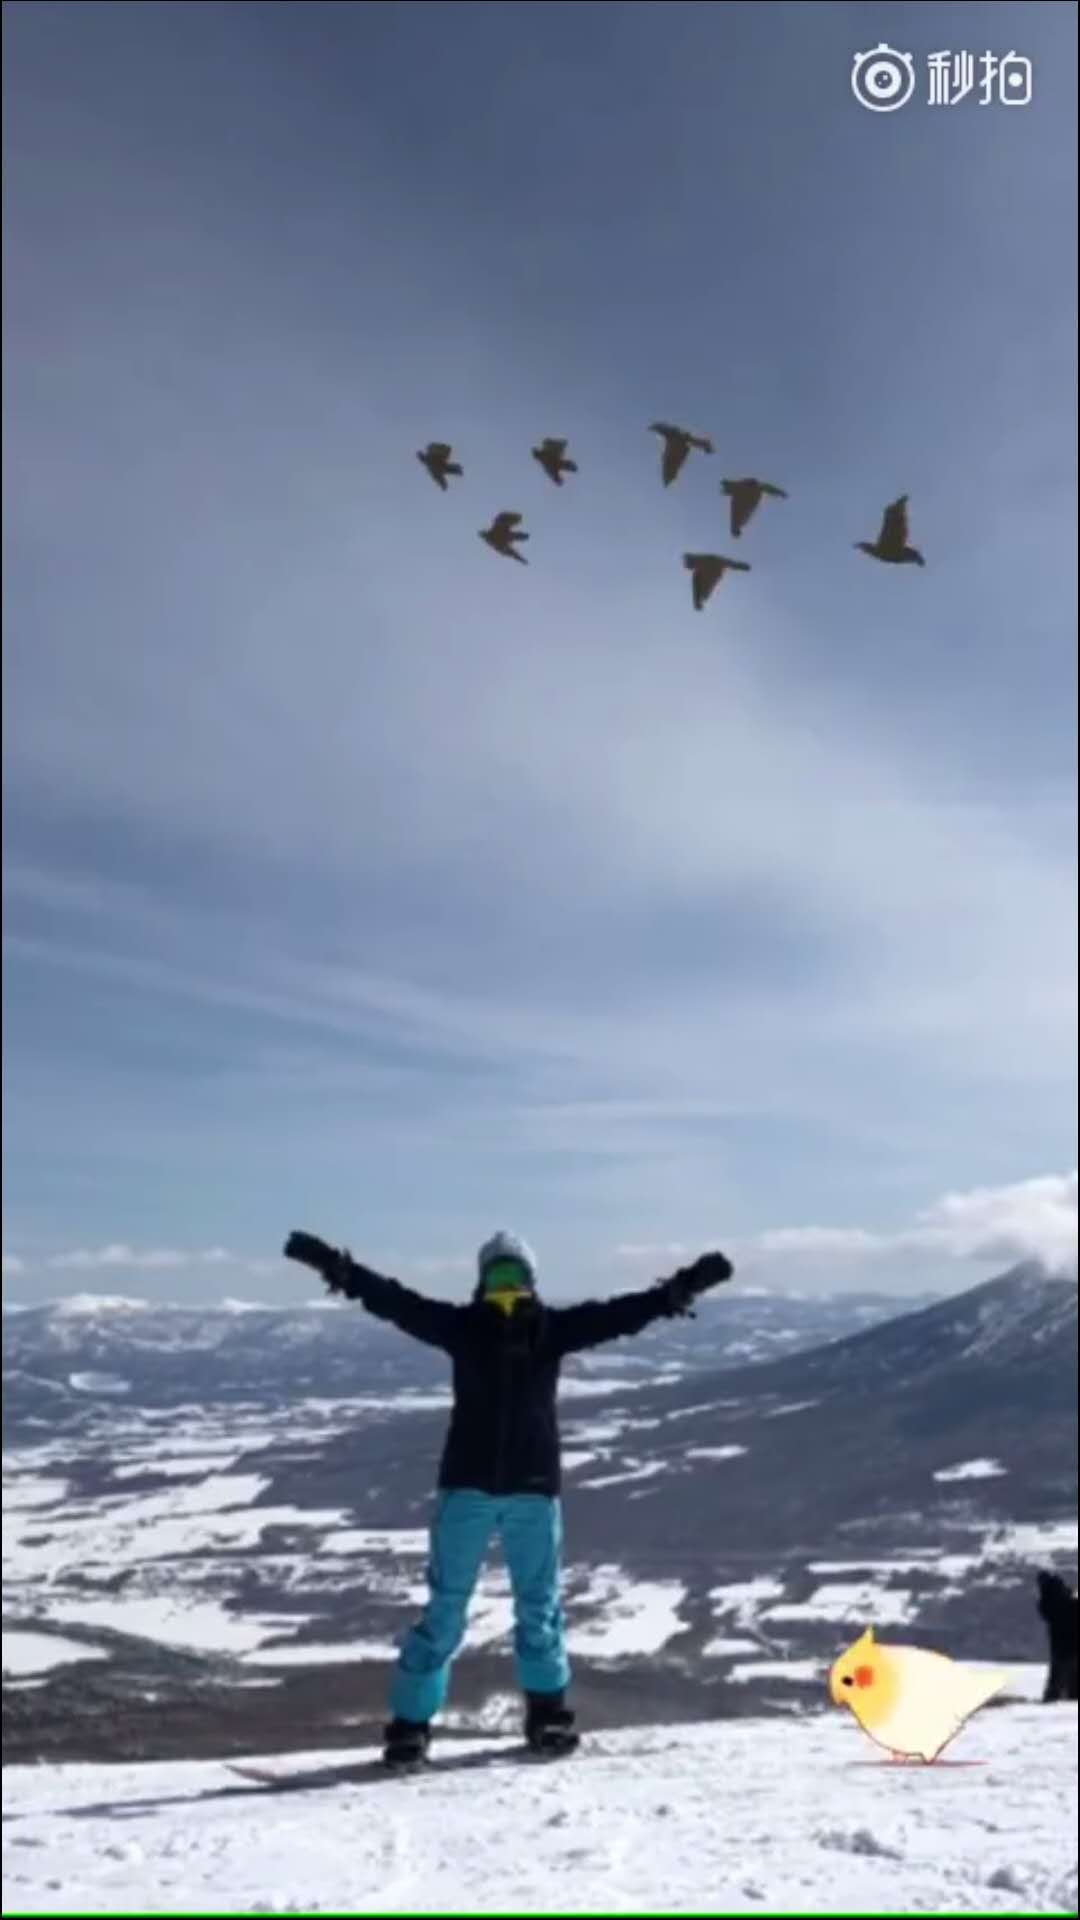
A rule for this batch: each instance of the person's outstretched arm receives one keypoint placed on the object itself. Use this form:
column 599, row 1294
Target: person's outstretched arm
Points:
column 433, row 1321
column 595, row 1321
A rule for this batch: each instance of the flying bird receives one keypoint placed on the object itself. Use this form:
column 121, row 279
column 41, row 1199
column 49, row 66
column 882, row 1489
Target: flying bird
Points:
column 909, row 1701
column 436, row 458
column 892, row 542
column 706, row 570
column 502, row 535
column 551, row 455
column 677, row 445
column 746, row 497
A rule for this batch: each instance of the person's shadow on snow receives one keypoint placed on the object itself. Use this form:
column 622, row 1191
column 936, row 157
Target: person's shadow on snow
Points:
column 354, row 1773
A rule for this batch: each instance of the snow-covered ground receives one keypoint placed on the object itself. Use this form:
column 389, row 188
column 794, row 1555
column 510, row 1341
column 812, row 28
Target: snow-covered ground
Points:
column 714, row 1453
column 848, row 1600
column 622, row 1616
column 185, row 1548
column 40, row 1652
column 771, row 1816
column 971, row 1470
column 633, row 1470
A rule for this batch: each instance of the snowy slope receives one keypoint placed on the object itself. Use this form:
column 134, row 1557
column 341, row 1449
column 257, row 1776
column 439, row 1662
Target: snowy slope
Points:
column 779, row 1816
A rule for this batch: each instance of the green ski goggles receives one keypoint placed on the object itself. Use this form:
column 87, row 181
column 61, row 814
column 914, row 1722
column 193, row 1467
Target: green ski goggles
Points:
column 507, row 1276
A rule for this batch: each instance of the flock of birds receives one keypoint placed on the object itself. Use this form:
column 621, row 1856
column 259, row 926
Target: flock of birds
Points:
column 506, row 534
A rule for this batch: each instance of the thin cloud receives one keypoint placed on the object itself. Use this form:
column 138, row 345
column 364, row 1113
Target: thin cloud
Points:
column 119, row 1256
column 1032, row 1219
column 436, row 1266
column 831, row 1243
column 642, row 1254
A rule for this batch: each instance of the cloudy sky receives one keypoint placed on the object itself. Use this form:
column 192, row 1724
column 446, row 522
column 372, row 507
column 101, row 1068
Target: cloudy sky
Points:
column 357, row 879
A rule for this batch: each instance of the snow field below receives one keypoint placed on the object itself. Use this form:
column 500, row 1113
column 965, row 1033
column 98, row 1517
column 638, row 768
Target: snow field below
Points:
column 773, row 1816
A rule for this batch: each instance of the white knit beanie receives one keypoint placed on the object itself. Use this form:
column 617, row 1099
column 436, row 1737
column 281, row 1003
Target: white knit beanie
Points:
column 506, row 1246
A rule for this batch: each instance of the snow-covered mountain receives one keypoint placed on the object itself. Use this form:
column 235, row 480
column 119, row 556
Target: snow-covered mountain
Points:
column 57, row 1354
column 228, row 1511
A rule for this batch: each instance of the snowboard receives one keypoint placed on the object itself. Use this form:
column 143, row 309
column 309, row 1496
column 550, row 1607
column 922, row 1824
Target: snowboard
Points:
column 358, row 1773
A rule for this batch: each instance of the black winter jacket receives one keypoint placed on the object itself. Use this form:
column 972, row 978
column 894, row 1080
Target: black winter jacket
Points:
column 504, row 1431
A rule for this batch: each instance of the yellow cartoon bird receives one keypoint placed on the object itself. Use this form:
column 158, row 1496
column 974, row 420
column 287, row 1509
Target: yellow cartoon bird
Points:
column 908, row 1700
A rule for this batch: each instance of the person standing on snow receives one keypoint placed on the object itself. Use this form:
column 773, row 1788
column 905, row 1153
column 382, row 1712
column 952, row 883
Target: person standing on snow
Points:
column 500, row 1471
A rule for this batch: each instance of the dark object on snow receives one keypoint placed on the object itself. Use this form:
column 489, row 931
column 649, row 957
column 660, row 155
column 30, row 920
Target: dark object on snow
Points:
column 677, row 445
column 503, row 1436
column 502, row 534
column 549, row 1724
column 746, row 497
column 551, row 455
column 1058, row 1607
column 436, row 458
column 406, row 1744
column 364, row 1773
column 706, row 570
column 892, row 542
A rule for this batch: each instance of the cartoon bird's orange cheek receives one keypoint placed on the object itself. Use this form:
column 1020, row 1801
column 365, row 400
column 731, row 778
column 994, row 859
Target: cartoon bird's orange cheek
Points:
column 864, row 1676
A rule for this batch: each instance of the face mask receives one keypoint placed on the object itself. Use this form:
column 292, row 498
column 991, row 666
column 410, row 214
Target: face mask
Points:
column 505, row 1283
column 506, row 1302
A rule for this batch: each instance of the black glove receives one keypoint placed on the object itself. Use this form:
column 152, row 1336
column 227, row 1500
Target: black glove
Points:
column 310, row 1251
column 680, row 1292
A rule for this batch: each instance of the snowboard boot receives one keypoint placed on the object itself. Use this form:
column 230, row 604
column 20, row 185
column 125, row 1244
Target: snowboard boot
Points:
column 549, row 1725
column 406, row 1745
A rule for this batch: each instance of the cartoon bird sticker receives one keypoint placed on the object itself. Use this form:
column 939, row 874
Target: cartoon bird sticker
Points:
column 909, row 1701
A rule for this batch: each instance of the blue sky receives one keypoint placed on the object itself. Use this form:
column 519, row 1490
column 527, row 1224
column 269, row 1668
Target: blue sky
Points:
column 355, row 879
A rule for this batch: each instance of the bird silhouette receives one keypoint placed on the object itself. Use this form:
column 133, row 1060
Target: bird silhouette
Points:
column 551, row 455
column 892, row 542
column 746, row 497
column 706, row 570
column 502, row 535
column 677, row 445
column 436, row 458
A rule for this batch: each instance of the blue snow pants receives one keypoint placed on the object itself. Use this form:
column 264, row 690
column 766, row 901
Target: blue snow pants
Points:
column 529, row 1527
